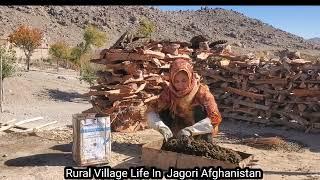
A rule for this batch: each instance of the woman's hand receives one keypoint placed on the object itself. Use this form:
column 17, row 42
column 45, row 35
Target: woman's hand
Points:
column 166, row 133
column 155, row 122
column 184, row 132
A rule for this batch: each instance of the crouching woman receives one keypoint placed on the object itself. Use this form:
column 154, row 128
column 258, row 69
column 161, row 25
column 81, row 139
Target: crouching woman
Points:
column 185, row 107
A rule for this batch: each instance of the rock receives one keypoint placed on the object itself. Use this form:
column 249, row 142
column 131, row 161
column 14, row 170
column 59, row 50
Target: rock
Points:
column 232, row 34
column 5, row 155
column 204, row 46
column 61, row 77
column 196, row 40
column 237, row 44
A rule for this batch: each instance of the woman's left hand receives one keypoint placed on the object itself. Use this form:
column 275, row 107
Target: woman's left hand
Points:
column 184, row 132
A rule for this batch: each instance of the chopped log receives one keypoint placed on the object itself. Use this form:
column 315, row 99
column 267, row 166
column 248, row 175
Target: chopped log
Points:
column 172, row 57
column 302, row 107
column 270, row 91
column 185, row 50
column 224, row 62
column 151, row 99
column 154, row 54
column 141, row 87
column 305, row 92
column 297, row 76
column 310, row 67
column 253, row 105
column 299, row 61
column 156, row 62
column 297, row 118
column 244, row 93
column 315, row 116
column 222, row 78
column 127, row 56
column 131, row 80
column 247, row 111
column 171, row 48
column 246, row 118
column 203, row 55
column 236, row 71
column 270, row 81
column 308, row 81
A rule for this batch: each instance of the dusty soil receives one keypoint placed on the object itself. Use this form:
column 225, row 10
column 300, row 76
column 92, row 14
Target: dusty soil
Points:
column 201, row 148
column 44, row 154
column 53, row 95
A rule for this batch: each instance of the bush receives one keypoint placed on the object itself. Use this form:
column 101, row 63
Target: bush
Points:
column 8, row 60
column 146, row 28
column 88, row 74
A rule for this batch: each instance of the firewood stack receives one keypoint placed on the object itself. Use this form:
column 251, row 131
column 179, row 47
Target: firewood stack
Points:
column 283, row 91
column 133, row 79
column 271, row 91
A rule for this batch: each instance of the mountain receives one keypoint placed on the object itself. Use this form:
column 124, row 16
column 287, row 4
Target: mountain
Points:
column 67, row 23
column 315, row 40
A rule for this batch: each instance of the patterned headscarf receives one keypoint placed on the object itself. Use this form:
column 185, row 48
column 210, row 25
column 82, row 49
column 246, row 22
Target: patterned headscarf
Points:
column 177, row 66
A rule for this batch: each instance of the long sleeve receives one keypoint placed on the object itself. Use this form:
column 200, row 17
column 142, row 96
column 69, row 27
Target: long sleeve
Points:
column 206, row 99
column 153, row 118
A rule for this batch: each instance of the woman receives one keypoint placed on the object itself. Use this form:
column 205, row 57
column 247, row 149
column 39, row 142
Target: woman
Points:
column 185, row 107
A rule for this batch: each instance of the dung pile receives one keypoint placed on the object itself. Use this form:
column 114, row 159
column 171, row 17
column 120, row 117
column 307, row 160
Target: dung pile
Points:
column 201, row 148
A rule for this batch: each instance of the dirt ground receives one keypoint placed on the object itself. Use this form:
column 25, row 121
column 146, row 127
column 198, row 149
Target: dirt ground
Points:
column 53, row 95
column 44, row 154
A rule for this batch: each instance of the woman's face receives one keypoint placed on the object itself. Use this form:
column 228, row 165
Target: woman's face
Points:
column 181, row 81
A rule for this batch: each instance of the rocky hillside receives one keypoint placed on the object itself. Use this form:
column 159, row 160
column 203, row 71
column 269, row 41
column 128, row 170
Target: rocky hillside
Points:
column 67, row 22
column 314, row 40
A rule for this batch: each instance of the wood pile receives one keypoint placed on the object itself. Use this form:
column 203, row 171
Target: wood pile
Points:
column 272, row 91
column 277, row 91
column 133, row 79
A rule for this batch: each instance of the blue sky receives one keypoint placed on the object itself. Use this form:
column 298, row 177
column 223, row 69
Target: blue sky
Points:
column 303, row 21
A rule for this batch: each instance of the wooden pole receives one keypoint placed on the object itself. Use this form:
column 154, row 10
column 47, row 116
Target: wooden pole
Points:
column 1, row 85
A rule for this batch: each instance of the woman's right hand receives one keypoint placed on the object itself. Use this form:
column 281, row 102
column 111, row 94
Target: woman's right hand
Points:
column 156, row 123
column 166, row 133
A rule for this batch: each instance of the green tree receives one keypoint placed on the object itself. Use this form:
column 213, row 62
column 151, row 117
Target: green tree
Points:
column 8, row 59
column 93, row 37
column 146, row 28
column 6, row 69
column 80, row 54
column 59, row 51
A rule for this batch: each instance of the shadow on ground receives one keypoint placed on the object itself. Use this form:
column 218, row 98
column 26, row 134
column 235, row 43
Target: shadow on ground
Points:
column 63, row 147
column 50, row 159
column 63, row 96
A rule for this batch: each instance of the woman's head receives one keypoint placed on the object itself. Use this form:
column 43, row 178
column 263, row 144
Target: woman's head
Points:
column 181, row 76
column 181, row 80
